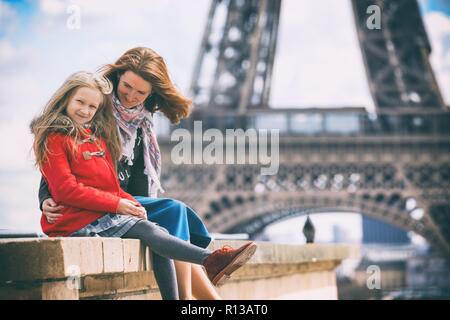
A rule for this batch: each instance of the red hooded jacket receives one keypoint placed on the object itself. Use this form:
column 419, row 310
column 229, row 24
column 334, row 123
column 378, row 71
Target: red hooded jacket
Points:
column 87, row 188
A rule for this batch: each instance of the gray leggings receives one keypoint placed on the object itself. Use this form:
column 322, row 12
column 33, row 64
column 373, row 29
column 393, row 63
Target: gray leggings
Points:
column 165, row 247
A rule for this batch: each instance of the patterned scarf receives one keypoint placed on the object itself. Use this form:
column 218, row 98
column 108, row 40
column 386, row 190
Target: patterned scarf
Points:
column 129, row 120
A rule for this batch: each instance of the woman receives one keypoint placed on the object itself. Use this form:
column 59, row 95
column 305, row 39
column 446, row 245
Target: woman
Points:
column 142, row 86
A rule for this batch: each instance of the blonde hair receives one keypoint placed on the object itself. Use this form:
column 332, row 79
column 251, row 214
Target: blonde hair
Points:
column 150, row 66
column 54, row 116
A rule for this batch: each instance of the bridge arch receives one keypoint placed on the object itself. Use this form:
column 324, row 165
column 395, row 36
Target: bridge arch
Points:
column 253, row 217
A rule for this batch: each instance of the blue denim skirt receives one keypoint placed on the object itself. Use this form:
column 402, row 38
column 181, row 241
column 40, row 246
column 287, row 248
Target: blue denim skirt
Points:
column 180, row 220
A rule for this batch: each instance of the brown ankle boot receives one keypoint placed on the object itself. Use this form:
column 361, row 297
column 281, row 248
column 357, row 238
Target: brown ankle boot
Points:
column 224, row 261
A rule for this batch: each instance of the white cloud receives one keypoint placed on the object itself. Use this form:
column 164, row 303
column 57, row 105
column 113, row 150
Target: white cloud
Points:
column 438, row 29
column 6, row 11
column 318, row 60
column 8, row 18
column 52, row 7
column 108, row 28
column 19, row 201
column 16, row 141
column 7, row 52
column 16, row 58
column 20, row 95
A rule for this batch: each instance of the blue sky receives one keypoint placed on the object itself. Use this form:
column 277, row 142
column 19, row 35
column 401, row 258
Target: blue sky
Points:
column 317, row 44
column 442, row 6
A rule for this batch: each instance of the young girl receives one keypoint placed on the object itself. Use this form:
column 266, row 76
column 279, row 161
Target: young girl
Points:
column 76, row 146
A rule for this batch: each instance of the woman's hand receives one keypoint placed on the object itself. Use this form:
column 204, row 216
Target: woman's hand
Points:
column 51, row 210
column 131, row 208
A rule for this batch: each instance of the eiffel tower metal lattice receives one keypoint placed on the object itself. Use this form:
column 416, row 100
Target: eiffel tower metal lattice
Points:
column 394, row 165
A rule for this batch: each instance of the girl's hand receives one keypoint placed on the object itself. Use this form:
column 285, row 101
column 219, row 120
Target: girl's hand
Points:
column 131, row 208
column 51, row 210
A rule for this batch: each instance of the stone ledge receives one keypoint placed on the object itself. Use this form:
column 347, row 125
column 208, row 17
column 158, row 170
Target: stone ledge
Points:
column 59, row 258
column 114, row 284
column 274, row 253
column 111, row 268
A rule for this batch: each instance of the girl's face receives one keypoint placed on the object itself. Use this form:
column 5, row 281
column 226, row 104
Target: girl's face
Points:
column 132, row 89
column 84, row 104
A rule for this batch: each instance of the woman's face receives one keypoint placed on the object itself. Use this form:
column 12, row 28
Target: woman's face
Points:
column 83, row 105
column 132, row 89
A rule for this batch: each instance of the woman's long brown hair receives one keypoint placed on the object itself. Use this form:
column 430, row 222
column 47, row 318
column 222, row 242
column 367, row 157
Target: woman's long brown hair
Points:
column 150, row 66
column 54, row 117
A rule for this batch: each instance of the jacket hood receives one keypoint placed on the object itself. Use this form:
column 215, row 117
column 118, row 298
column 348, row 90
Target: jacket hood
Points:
column 63, row 124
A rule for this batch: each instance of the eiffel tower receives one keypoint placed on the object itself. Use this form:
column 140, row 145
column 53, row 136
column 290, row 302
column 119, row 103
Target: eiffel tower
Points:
column 393, row 165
